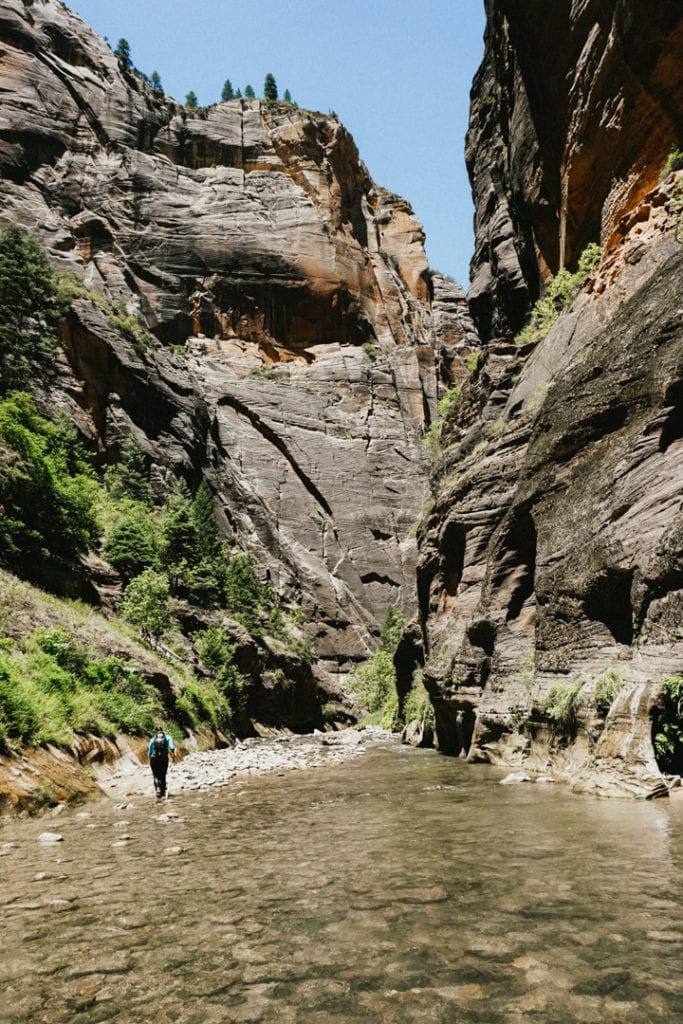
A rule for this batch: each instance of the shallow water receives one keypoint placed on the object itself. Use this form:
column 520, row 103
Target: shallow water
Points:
column 399, row 887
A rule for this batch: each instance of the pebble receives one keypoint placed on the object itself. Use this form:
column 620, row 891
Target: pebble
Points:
column 173, row 849
column 280, row 754
column 121, row 842
column 40, row 875
column 50, row 837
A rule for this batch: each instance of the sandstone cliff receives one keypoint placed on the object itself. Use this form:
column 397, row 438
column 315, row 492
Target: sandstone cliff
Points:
column 574, row 110
column 550, row 560
column 292, row 358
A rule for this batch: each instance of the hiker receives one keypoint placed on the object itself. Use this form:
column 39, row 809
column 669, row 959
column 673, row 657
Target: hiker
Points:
column 160, row 745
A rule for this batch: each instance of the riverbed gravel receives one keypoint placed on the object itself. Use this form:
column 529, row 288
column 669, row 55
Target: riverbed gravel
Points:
column 279, row 754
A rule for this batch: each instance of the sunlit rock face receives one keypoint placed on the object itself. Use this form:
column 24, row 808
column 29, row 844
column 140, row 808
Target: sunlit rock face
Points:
column 551, row 558
column 294, row 360
column 574, row 110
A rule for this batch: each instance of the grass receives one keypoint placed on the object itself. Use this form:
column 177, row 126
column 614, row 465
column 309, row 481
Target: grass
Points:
column 561, row 705
column 606, row 688
column 64, row 669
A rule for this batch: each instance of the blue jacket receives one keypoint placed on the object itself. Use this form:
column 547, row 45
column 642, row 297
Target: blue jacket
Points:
column 169, row 742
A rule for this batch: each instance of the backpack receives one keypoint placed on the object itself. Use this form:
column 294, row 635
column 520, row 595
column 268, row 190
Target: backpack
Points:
column 159, row 747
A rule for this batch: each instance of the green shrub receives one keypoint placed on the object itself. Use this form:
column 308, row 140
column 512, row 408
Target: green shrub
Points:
column 56, row 687
column 372, row 352
column 562, row 704
column 217, row 652
column 417, row 705
column 668, row 726
column 674, row 162
column 204, row 706
column 374, row 683
column 560, row 292
column 607, row 686
column 130, row 325
column 257, row 606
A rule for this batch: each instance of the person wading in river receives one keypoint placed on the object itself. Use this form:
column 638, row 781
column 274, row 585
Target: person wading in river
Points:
column 160, row 746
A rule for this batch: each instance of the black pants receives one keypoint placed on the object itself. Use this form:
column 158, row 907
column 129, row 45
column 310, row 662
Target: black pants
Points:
column 159, row 768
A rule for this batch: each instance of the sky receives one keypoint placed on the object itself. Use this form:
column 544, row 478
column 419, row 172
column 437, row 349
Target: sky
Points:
column 397, row 73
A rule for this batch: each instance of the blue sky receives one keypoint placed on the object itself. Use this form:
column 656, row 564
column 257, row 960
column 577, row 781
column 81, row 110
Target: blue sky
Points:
column 397, row 73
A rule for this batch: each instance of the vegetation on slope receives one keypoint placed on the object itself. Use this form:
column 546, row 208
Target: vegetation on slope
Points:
column 167, row 550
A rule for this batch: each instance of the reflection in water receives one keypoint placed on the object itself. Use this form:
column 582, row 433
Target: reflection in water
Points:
column 400, row 887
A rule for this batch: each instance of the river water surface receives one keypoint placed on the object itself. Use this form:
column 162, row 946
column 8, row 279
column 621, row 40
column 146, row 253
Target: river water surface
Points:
column 399, row 887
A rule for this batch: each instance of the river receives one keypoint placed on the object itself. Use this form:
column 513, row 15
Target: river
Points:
column 401, row 887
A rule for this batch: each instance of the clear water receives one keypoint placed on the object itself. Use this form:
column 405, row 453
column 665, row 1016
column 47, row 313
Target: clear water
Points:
column 399, row 887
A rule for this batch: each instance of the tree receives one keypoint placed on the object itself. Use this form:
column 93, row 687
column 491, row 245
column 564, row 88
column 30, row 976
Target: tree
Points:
column 270, row 89
column 287, row 96
column 48, row 490
column 128, row 478
column 155, row 79
column 129, row 549
column 242, row 593
column 191, row 100
column 146, row 603
column 122, row 53
column 29, row 314
column 204, row 518
column 227, row 93
column 238, row 94
column 179, row 551
column 249, row 92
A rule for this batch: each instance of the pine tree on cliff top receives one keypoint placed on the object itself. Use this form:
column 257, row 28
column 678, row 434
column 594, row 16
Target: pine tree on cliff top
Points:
column 227, row 93
column 270, row 89
column 249, row 92
column 122, row 53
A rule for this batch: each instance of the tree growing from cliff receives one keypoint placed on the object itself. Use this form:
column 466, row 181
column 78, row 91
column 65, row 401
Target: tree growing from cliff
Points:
column 155, row 80
column 270, row 88
column 249, row 92
column 29, row 313
column 228, row 93
column 191, row 100
column 122, row 54
column 128, row 478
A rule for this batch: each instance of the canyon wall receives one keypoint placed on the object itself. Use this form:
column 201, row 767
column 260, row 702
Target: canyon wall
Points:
column 291, row 350
column 574, row 110
column 551, row 557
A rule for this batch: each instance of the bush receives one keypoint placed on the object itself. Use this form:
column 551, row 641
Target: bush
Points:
column 561, row 705
column 374, row 683
column 560, row 292
column 668, row 726
column 674, row 162
column 418, row 706
column 607, row 686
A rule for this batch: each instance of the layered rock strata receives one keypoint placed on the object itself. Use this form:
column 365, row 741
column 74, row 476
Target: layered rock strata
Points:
column 575, row 109
column 289, row 353
column 551, row 560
